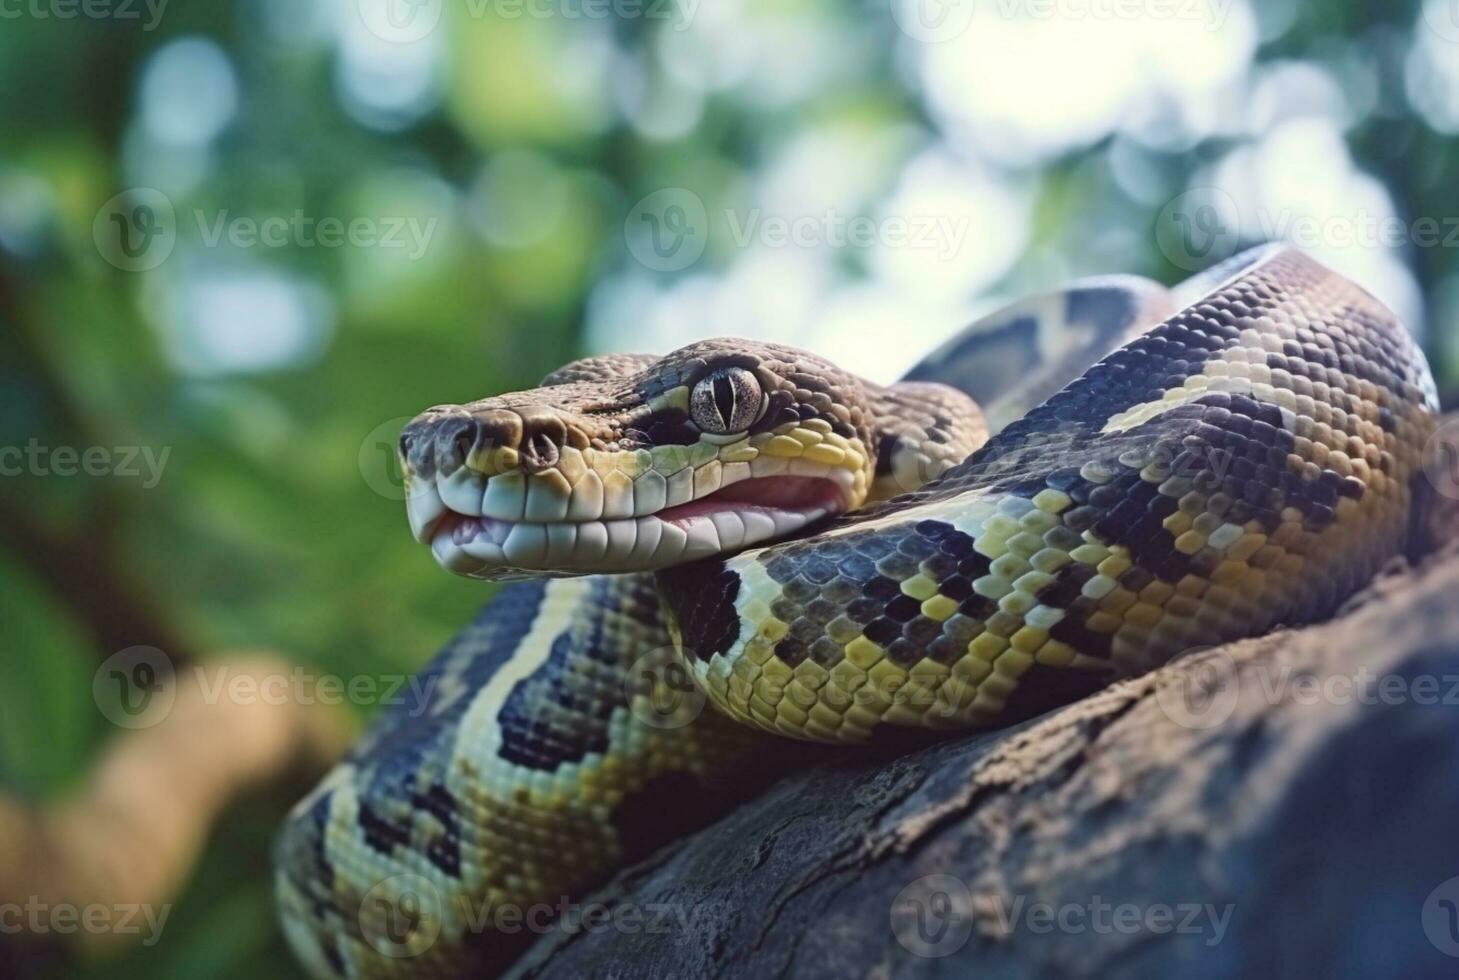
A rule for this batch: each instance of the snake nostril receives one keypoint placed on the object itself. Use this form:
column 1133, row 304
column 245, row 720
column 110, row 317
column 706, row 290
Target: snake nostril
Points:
column 540, row 451
column 416, row 442
column 463, row 443
column 455, row 438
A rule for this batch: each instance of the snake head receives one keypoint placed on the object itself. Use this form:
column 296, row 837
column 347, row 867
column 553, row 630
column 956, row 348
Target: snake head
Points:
column 631, row 462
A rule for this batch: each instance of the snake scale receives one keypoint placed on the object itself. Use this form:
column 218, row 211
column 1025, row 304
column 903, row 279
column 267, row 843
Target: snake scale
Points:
column 826, row 559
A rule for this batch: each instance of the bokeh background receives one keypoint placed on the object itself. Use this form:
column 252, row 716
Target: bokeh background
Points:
column 256, row 235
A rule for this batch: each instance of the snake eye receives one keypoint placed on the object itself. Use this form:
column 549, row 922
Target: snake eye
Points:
column 725, row 401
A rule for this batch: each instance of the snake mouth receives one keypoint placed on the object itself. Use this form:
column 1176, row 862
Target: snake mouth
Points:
column 739, row 515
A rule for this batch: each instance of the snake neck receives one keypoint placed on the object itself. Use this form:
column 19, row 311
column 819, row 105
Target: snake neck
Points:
column 535, row 759
column 923, row 429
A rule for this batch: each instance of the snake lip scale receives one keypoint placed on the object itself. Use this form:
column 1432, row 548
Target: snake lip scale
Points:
column 828, row 560
column 737, row 515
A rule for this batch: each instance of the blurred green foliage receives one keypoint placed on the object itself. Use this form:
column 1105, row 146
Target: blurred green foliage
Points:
column 276, row 378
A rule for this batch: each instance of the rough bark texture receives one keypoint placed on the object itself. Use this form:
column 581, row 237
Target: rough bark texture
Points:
column 1292, row 800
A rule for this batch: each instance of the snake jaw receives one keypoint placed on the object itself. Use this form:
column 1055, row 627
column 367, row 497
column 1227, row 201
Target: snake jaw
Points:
column 530, row 529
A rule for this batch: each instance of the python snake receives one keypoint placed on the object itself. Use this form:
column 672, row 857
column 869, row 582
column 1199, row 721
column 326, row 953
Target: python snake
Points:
column 835, row 561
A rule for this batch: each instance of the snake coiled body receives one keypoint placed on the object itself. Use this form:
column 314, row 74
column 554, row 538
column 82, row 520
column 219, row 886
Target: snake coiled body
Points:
column 1246, row 462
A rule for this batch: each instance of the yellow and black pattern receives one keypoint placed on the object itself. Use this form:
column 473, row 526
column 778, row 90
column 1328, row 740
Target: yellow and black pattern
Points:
column 551, row 725
column 1244, row 463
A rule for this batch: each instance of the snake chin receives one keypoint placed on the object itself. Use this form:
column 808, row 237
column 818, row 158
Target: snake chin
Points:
column 735, row 517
